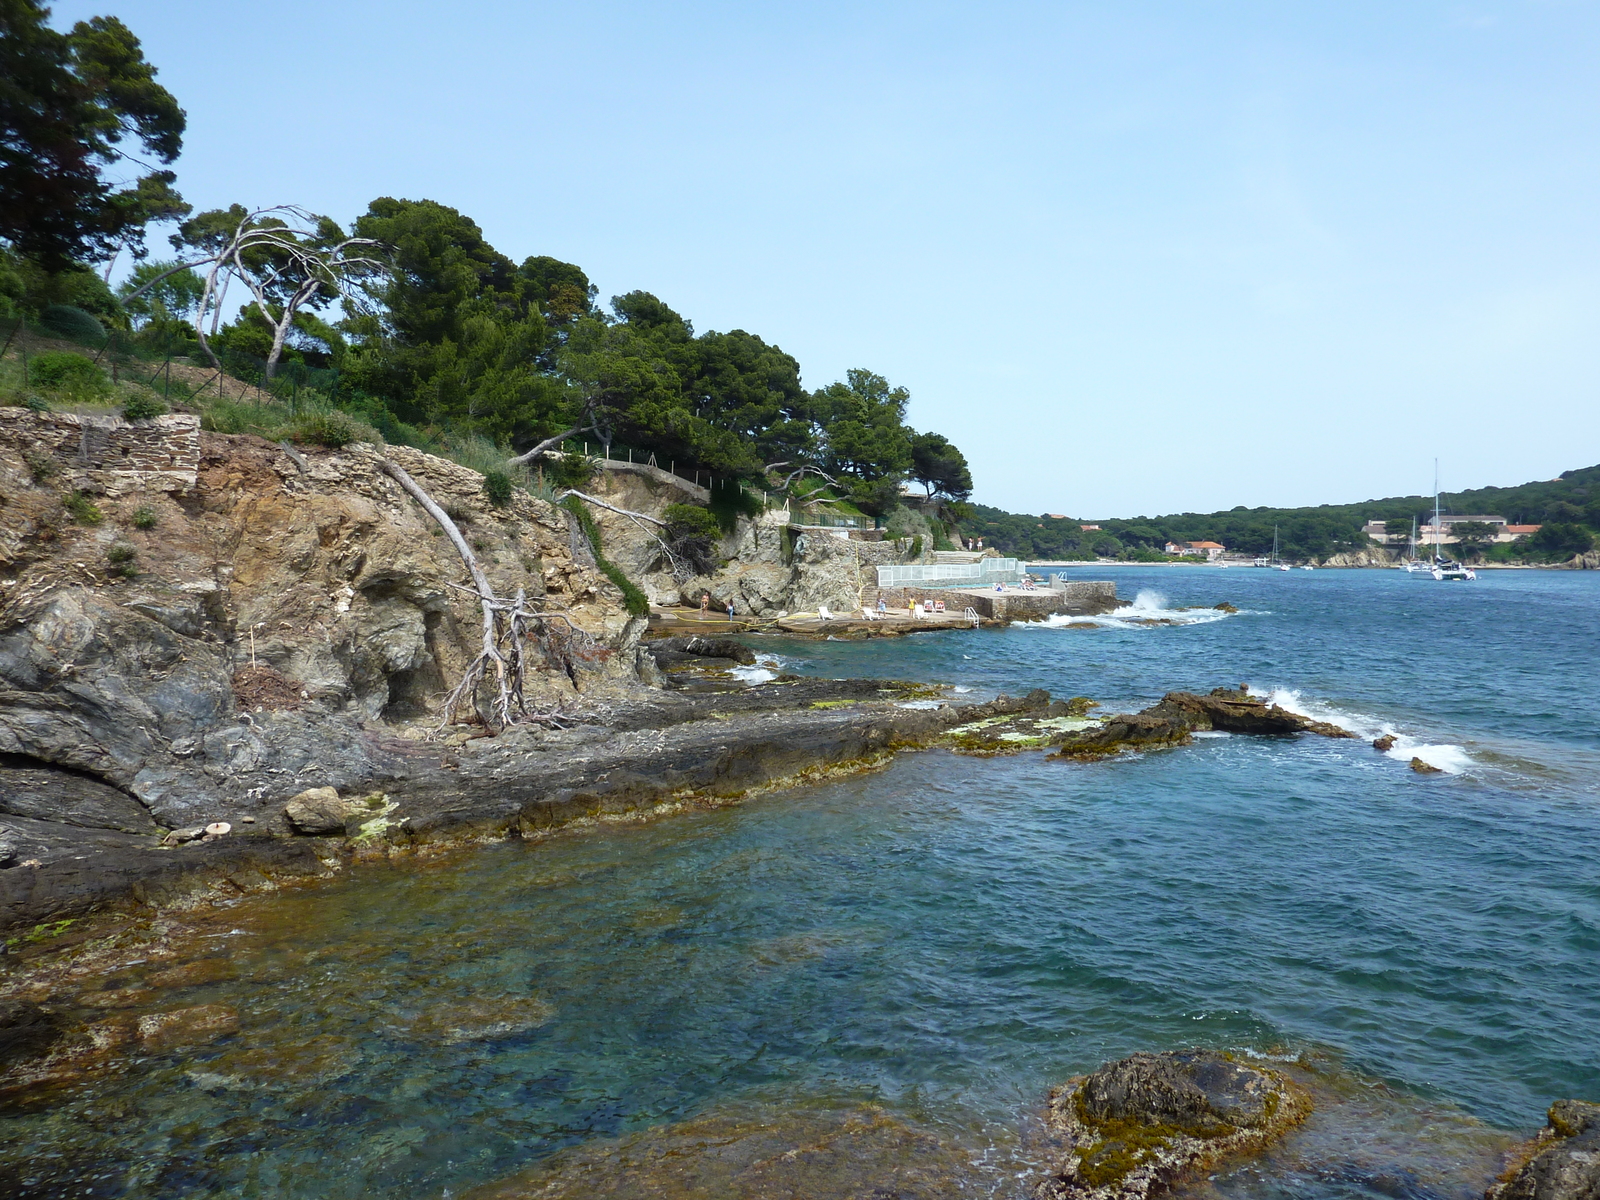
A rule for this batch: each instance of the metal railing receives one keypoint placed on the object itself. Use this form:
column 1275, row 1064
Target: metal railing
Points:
column 986, row 572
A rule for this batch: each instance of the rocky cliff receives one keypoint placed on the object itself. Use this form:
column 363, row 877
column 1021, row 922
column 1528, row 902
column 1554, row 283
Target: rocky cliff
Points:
column 134, row 605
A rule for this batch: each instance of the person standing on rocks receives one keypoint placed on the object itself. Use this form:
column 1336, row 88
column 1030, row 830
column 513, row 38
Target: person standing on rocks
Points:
column 730, row 611
column 705, row 605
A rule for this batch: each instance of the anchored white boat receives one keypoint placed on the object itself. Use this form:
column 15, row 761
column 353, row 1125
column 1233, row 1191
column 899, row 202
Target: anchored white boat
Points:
column 1281, row 566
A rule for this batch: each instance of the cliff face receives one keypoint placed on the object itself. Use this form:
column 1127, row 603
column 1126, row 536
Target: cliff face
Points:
column 121, row 638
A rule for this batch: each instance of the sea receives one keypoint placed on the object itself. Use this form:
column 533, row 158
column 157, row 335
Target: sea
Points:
column 869, row 986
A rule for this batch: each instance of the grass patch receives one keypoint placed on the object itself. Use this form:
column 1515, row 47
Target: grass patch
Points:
column 72, row 374
column 144, row 517
column 82, row 509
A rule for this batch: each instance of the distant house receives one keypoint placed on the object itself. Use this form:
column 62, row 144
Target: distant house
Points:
column 1504, row 530
column 1090, row 528
column 1057, row 516
column 1210, row 551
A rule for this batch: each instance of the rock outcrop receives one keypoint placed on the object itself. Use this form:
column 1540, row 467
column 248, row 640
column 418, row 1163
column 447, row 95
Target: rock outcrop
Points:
column 1136, row 1125
column 1562, row 1163
column 1179, row 715
column 765, row 571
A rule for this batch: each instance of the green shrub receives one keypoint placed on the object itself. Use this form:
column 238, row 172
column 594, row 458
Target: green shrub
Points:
column 1558, row 541
column 40, row 465
column 569, row 471
column 123, row 561
column 331, row 429
column 35, row 403
column 916, row 546
column 64, row 371
column 83, row 510
column 497, row 487
column 142, row 408
column 144, row 517
column 692, row 534
column 691, row 520
column 70, row 321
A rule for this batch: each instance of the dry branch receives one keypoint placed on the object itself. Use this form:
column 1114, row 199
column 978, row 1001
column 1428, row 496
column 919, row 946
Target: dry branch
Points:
column 507, row 626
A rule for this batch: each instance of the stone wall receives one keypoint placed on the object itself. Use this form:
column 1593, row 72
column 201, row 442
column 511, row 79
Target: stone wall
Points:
column 106, row 454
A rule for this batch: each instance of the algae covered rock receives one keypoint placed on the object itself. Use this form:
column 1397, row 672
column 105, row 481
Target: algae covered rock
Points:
column 1562, row 1163
column 1135, row 1125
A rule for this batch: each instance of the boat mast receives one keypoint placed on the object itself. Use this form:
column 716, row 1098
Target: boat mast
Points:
column 1436, row 511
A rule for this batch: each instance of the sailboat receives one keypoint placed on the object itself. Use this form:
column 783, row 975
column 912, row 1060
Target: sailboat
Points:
column 1412, row 564
column 1444, row 568
column 1275, row 563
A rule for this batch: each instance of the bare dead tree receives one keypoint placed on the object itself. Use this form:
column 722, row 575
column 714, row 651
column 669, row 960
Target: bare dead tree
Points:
column 790, row 479
column 508, row 625
column 288, row 257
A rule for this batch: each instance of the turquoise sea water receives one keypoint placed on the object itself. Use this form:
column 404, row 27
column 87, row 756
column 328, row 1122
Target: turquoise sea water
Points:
column 945, row 939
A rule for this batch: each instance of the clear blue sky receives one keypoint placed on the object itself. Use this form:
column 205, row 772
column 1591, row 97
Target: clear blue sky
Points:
column 1131, row 257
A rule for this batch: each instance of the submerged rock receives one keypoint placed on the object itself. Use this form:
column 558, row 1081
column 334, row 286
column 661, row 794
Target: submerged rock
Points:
column 1384, row 744
column 187, row 1026
column 863, row 1154
column 1425, row 768
column 1135, row 1125
column 1562, row 1163
column 26, row 1030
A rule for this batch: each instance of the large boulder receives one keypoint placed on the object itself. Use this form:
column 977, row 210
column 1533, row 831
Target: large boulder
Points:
column 1562, row 1163
column 318, row 811
column 1136, row 1125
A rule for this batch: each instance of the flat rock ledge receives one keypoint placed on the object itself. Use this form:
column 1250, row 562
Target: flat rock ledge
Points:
column 1135, row 1126
column 1562, row 1163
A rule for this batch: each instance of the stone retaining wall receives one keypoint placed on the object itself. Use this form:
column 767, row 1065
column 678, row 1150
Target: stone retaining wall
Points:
column 108, row 455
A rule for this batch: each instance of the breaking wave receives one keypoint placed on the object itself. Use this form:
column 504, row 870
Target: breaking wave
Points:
column 1446, row 756
column 1149, row 609
column 765, row 669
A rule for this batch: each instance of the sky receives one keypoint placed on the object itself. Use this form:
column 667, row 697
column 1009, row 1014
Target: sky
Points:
column 1133, row 258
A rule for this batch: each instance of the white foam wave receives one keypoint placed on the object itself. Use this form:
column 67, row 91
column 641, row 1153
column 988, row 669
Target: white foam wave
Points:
column 1149, row 608
column 1447, row 757
column 766, row 669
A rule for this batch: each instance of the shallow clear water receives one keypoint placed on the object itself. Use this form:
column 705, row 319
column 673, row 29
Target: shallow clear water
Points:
column 940, row 942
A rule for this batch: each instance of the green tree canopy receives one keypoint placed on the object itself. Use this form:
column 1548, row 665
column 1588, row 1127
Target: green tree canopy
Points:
column 939, row 466
column 457, row 337
column 69, row 105
column 172, row 300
